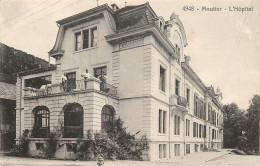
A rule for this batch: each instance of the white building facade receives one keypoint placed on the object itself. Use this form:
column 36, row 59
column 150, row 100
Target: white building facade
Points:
column 149, row 84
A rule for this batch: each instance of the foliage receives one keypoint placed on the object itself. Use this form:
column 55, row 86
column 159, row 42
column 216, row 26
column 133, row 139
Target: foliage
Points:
column 112, row 142
column 8, row 139
column 241, row 128
column 50, row 146
column 22, row 148
column 17, row 61
column 234, row 120
column 252, row 124
column 128, row 147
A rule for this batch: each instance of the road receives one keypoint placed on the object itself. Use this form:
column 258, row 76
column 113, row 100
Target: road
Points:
column 234, row 159
column 203, row 158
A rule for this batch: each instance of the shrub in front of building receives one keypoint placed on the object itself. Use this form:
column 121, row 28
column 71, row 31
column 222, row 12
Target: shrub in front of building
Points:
column 22, row 148
column 113, row 142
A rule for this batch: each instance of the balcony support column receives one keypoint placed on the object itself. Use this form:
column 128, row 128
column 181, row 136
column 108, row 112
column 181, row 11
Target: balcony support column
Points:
column 93, row 83
column 92, row 113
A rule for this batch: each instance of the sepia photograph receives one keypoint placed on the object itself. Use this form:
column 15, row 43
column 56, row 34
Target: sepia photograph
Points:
column 129, row 82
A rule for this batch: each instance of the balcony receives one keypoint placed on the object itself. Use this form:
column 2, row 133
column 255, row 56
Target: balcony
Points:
column 182, row 101
column 178, row 103
column 57, row 54
column 109, row 89
column 71, row 87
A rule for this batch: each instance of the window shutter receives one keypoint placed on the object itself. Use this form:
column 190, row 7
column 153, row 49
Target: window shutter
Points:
column 195, row 104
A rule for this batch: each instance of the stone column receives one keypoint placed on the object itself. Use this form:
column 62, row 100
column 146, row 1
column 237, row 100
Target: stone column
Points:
column 19, row 101
column 93, row 83
column 57, row 75
column 93, row 106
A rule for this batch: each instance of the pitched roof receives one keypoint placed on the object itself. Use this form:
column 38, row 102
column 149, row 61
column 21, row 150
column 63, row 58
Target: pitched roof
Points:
column 7, row 78
column 7, row 91
column 38, row 70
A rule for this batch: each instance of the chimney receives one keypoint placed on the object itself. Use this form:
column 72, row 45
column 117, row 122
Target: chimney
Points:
column 114, row 7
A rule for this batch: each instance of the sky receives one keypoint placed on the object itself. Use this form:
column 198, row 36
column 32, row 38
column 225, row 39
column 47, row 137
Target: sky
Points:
column 224, row 46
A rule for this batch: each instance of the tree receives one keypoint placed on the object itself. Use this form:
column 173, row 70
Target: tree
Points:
column 234, row 122
column 252, row 124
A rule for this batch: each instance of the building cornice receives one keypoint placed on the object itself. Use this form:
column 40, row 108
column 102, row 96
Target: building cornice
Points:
column 197, row 80
column 85, row 13
column 136, row 8
column 193, row 75
column 144, row 30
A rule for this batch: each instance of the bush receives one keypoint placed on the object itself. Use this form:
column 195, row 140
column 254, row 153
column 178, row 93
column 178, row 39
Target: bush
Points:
column 50, row 146
column 128, row 146
column 111, row 143
column 22, row 148
column 8, row 140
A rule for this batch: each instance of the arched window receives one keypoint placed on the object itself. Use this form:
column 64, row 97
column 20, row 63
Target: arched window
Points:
column 41, row 127
column 73, row 120
column 107, row 115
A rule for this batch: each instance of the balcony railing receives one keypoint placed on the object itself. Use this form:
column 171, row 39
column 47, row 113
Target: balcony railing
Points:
column 41, row 132
column 72, row 131
column 110, row 89
column 77, row 85
column 182, row 101
column 67, row 87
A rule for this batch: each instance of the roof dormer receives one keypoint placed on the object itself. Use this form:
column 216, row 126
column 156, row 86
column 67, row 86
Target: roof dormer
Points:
column 159, row 21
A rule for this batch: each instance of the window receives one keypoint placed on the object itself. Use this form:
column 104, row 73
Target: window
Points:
column 196, row 147
column 162, row 121
column 39, row 146
column 194, row 129
column 100, row 70
column 187, row 148
column 217, row 119
column 201, row 147
column 71, row 146
column 107, row 115
column 71, row 81
column 213, row 132
column 209, row 113
column 73, row 120
column 162, row 151
column 177, row 125
column 188, row 96
column 41, row 126
column 77, row 41
column 177, row 149
column 204, row 132
column 37, row 82
column 197, row 129
column 187, row 127
column 177, row 87
column 201, row 112
column 178, row 53
column 200, row 130
column 162, row 79
column 195, row 105
column 214, row 117
column 93, row 37
column 86, row 38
